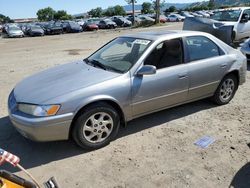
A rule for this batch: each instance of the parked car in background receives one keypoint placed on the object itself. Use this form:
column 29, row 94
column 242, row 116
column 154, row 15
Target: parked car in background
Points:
column 34, row 30
column 90, row 25
column 146, row 20
column 195, row 14
column 52, row 28
column 12, row 30
column 71, row 27
column 81, row 22
column 163, row 18
column 238, row 17
column 175, row 18
column 245, row 49
column 203, row 14
column 107, row 24
column 131, row 76
column 121, row 21
column 137, row 20
column 186, row 14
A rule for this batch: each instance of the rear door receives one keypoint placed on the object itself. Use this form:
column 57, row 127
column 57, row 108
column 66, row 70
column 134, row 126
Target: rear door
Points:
column 207, row 64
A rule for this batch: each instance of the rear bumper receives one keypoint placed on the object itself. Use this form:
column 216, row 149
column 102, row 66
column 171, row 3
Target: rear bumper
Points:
column 43, row 128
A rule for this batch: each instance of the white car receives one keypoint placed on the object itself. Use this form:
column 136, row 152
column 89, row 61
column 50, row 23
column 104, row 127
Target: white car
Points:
column 239, row 18
column 175, row 18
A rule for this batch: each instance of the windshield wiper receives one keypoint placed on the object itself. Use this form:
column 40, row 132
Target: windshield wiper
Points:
column 96, row 63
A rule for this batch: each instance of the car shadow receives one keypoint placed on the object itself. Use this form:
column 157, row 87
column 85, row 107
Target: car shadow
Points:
column 34, row 154
column 248, row 65
column 242, row 177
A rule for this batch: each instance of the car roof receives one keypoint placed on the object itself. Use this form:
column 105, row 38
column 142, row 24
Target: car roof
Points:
column 157, row 35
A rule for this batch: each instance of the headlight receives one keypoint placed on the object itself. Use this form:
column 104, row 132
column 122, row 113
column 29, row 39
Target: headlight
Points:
column 39, row 110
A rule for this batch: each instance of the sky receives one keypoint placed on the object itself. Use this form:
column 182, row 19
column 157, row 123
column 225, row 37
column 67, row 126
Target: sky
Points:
column 28, row 8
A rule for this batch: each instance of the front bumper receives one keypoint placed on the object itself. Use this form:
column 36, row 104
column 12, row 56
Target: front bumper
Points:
column 15, row 35
column 40, row 128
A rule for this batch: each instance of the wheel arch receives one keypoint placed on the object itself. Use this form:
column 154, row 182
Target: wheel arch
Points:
column 108, row 101
column 236, row 74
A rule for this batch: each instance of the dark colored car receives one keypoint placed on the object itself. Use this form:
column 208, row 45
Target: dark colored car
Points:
column 121, row 21
column 107, row 24
column 53, row 28
column 34, row 30
column 71, row 27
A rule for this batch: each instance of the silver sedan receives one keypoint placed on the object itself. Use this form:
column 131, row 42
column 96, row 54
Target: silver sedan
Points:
column 129, row 77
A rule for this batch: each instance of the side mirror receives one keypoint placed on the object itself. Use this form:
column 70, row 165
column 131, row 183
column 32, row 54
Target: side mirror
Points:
column 244, row 18
column 146, row 70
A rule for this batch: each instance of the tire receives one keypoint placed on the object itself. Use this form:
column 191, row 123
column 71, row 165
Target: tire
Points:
column 90, row 132
column 226, row 90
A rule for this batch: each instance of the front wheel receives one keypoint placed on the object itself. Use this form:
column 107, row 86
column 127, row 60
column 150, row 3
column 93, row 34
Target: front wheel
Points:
column 226, row 90
column 96, row 126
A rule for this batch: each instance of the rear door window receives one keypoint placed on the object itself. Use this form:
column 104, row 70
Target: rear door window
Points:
column 200, row 47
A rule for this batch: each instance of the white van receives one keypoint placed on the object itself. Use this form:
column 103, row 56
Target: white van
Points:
column 239, row 17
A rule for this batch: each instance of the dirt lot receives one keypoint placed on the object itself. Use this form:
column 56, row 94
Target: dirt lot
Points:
column 153, row 151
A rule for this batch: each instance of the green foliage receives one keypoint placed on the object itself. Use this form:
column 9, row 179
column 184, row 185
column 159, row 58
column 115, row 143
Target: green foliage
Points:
column 116, row 10
column 172, row 9
column 119, row 10
column 5, row 19
column 46, row 14
column 146, row 8
column 62, row 15
column 97, row 12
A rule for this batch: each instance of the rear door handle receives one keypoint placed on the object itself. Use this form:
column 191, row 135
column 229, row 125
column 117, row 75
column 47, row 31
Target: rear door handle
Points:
column 223, row 65
column 182, row 76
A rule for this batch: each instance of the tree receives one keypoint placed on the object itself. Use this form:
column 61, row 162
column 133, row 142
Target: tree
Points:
column 116, row 10
column 119, row 10
column 157, row 11
column 5, row 19
column 46, row 14
column 172, row 9
column 211, row 4
column 97, row 12
column 109, row 11
column 133, row 8
column 62, row 15
column 146, row 8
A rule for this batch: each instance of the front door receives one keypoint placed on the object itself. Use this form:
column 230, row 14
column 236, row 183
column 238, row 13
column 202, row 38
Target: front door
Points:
column 244, row 28
column 169, row 86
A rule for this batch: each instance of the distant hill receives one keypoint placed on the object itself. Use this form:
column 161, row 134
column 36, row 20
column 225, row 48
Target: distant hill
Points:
column 222, row 3
column 164, row 7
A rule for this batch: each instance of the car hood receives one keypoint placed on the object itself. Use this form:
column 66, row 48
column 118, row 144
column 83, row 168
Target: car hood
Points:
column 15, row 32
column 60, row 80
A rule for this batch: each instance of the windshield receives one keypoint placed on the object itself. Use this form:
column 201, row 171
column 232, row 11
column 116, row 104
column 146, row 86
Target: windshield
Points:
column 14, row 28
column 35, row 27
column 120, row 54
column 227, row 15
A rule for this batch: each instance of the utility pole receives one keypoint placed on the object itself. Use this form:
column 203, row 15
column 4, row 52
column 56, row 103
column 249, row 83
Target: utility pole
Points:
column 133, row 11
column 157, row 11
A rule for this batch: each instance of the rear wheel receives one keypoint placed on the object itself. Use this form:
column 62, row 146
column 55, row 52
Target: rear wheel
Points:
column 96, row 126
column 226, row 90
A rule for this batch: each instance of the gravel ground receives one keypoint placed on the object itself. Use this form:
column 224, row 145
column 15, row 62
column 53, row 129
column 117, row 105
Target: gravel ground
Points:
column 153, row 151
